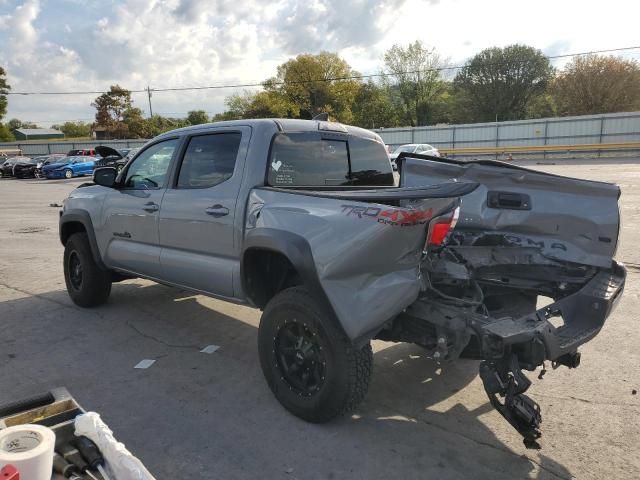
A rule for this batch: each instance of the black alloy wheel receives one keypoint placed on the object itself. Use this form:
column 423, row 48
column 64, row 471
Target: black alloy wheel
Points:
column 310, row 365
column 299, row 357
column 88, row 284
column 75, row 270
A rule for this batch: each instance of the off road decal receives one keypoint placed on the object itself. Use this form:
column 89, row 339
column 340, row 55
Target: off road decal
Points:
column 392, row 216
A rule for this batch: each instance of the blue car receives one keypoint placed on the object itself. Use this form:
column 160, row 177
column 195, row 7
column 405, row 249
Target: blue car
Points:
column 69, row 167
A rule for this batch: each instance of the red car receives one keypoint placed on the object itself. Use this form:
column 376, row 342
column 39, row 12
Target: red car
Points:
column 84, row 152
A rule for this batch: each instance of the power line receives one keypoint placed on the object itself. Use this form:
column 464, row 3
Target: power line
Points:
column 148, row 90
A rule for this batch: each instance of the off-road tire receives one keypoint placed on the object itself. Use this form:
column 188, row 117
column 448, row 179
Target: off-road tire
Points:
column 94, row 286
column 347, row 369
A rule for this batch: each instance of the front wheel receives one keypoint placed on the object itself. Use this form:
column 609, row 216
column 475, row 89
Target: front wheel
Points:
column 68, row 174
column 310, row 365
column 87, row 284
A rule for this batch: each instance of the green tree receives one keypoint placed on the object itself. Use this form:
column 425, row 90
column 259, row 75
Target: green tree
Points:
column 74, row 129
column 159, row 124
column 5, row 134
column 542, row 106
column 14, row 124
column 415, row 81
column 4, row 90
column 137, row 125
column 225, row 116
column 197, row 117
column 373, row 108
column 597, row 84
column 238, row 105
column 307, row 85
column 110, row 107
column 503, row 82
column 265, row 104
column 445, row 108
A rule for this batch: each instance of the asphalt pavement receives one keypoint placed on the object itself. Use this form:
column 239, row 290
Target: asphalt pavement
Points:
column 211, row 416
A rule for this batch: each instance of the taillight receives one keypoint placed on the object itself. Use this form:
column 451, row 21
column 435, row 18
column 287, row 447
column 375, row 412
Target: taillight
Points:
column 440, row 227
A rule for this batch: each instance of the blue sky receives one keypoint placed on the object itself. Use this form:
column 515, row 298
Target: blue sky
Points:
column 65, row 45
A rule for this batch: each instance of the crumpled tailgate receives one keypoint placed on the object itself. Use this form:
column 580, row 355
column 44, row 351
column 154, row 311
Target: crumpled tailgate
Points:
column 564, row 218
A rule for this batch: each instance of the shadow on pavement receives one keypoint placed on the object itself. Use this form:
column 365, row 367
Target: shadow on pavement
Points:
column 194, row 415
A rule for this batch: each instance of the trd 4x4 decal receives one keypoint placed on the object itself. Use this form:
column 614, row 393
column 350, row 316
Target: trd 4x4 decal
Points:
column 391, row 216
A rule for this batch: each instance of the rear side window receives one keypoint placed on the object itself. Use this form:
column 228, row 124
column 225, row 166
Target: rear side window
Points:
column 309, row 160
column 370, row 165
column 209, row 160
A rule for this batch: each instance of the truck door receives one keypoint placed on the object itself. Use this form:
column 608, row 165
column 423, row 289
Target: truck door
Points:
column 131, row 212
column 198, row 233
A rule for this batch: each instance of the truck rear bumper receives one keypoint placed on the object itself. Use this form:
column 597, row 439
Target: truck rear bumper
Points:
column 507, row 345
column 538, row 336
column 512, row 344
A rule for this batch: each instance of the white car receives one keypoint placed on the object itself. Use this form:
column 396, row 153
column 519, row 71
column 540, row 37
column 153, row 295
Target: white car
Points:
column 422, row 148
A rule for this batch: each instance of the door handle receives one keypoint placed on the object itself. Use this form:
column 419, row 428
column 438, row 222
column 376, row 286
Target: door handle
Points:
column 151, row 207
column 508, row 200
column 217, row 211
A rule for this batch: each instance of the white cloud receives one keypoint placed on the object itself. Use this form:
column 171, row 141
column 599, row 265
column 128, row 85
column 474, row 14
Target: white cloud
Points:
column 171, row 43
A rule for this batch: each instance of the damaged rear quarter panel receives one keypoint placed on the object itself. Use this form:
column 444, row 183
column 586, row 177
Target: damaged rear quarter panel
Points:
column 366, row 255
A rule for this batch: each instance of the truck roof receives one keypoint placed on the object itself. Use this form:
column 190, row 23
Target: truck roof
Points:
column 282, row 124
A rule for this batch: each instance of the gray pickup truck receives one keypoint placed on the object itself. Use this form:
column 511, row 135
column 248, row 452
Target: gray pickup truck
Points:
column 305, row 220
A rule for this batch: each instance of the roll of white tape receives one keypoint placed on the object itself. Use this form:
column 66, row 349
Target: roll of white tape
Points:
column 29, row 448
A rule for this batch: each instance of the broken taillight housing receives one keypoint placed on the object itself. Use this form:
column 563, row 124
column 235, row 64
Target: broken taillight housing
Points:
column 440, row 227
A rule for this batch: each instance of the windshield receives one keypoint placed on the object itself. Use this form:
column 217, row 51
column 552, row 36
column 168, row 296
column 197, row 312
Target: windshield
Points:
column 405, row 148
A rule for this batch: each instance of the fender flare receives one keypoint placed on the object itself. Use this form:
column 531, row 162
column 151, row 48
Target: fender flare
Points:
column 297, row 250
column 82, row 217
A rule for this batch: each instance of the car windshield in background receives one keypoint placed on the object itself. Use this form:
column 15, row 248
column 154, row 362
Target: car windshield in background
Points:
column 405, row 148
column 311, row 160
column 81, row 159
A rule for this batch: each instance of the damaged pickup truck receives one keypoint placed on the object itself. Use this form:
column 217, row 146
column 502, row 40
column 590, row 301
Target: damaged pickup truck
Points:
column 303, row 220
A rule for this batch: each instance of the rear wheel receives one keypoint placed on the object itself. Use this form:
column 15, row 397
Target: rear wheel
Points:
column 68, row 174
column 87, row 284
column 312, row 368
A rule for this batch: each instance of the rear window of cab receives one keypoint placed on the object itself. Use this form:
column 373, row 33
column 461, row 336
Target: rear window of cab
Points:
column 312, row 159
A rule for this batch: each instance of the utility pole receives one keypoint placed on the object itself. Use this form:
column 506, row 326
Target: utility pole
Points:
column 150, row 109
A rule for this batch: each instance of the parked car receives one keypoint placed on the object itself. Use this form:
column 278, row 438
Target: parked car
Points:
column 9, row 152
column 83, row 152
column 44, row 160
column 69, row 167
column 422, row 148
column 25, row 167
column 114, row 158
column 6, row 170
column 301, row 219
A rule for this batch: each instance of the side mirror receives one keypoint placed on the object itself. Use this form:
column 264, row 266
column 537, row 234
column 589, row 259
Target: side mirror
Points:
column 105, row 176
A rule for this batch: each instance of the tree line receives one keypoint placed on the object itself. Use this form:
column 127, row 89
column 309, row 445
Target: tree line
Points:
column 415, row 86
